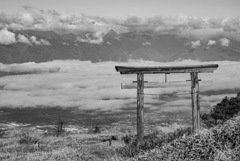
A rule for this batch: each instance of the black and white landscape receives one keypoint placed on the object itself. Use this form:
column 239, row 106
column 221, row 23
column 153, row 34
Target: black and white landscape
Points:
column 51, row 59
column 58, row 58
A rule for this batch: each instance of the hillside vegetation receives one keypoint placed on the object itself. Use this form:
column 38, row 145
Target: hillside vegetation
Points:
column 220, row 142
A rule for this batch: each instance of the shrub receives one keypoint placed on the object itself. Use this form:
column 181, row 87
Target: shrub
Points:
column 2, row 132
column 25, row 138
column 219, row 143
column 59, row 127
column 95, row 130
column 223, row 111
column 150, row 141
column 128, row 138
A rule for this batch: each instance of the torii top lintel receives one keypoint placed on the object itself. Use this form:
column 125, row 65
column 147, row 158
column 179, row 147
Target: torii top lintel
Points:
column 209, row 68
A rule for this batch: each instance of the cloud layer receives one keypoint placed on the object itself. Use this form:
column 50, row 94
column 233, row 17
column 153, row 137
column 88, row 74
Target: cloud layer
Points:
column 91, row 86
column 211, row 42
column 195, row 44
column 23, row 39
column 8, row 38
column 224, row 42
column 181, row 25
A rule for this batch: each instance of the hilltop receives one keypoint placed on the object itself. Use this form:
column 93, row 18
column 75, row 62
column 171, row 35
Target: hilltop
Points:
column 221, row 142
column 218, row 143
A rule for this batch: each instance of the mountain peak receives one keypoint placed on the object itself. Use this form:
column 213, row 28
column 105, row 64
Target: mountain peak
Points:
column 110, row 35
column 109, row 45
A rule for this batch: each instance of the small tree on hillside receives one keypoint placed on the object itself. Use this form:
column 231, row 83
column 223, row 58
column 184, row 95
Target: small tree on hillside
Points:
column 59, row 127
column 223, row 111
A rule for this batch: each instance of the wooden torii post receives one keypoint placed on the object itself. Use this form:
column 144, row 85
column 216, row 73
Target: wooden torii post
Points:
column 194, row 83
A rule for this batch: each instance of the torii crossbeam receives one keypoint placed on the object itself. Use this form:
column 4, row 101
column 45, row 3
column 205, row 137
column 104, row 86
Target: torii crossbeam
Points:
column 140, row 71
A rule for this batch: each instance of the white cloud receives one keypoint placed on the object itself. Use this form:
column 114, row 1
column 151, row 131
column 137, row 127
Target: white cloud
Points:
column 7, row 37
column 224, row 42
column 194, row 44
column 27, row 18
column 40, row 42
column 146, row 43
column 64, row 43
column 45, row 42
column 33, row 68
column 23, row 39
column 98, row 86
column 231, row 24
column 109, row 43
column 211, row 42
column 35, row 41
column 92, row 38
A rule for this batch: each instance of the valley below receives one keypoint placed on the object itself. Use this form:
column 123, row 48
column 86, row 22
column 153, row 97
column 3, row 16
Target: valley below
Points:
column 84, row 94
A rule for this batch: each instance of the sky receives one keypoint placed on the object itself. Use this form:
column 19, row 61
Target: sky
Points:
column 125, row 8
column 197, row 19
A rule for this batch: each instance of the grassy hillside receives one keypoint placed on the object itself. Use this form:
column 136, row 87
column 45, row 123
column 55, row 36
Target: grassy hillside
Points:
column 27, row 144
column 221, row 142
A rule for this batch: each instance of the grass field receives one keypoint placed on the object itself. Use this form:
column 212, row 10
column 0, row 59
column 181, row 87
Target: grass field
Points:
column 31, row 144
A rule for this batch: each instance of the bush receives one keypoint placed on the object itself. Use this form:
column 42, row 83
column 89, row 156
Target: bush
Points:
column 25, row 138
column 150, row 141
column 128, row 138
column 219, row 143
column 95, row 130
column 223, row 111
column 59, row 127
column 2, row 132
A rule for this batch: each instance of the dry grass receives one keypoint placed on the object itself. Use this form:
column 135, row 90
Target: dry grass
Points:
column 28, row 144
column 221, row 143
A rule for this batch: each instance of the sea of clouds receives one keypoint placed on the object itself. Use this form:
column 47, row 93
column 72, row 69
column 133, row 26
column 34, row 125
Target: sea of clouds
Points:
column 97, row 86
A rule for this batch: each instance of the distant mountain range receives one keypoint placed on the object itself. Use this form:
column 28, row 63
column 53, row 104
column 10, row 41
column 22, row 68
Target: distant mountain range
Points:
column 113, row 46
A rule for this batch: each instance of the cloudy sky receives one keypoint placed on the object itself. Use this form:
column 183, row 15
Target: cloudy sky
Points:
column 124, row 8
column 193, row 18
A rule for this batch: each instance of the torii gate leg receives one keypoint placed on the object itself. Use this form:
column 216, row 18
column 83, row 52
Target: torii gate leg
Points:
column 195, row 102
column 140, row 105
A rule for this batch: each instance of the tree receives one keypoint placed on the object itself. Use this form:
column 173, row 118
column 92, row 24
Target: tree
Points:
column 223, row 111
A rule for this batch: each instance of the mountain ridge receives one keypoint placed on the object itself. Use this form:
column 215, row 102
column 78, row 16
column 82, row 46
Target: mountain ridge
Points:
column 113, row 46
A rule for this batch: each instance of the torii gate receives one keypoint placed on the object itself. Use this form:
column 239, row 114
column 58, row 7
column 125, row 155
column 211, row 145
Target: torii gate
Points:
column 140, row 71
